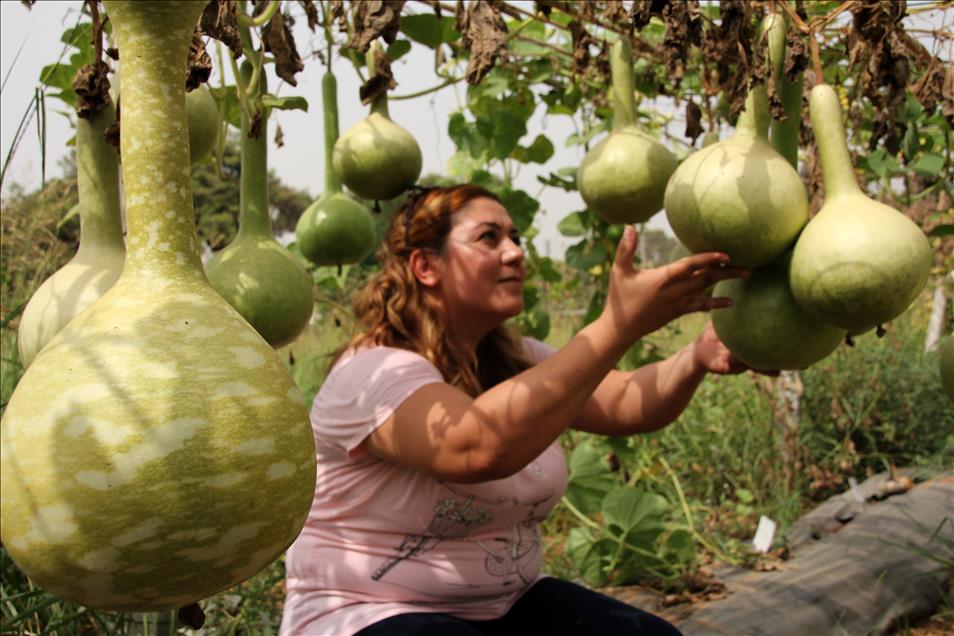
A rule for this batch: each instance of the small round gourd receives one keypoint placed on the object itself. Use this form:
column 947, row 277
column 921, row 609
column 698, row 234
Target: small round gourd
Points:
column 203, row 117
column 765, row 328
column 101, row 254
column 334, row 229
column 623, row 178
column 255, row 273
column 739, row 196
column 858, row 263
column 157, row 451
column 376, row 158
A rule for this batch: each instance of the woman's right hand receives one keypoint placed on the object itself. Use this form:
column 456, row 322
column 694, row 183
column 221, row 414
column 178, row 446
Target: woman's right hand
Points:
column 643, row 300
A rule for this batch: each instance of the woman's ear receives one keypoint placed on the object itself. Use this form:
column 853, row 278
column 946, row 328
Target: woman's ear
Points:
column 422, row 266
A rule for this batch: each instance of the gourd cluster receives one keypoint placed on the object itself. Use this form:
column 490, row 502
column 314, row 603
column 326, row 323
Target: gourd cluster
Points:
column 815, row 281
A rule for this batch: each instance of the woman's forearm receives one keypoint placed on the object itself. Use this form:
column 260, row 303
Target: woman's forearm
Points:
column 645, row 399
column 525, row 414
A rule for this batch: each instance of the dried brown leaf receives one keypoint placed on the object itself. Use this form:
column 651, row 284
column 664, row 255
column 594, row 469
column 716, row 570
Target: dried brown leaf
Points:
column 200, row 64
column 381, row 82
column 311, row 12
column 373, row 19
column 280, row 42
column 727, row 54
column 279, row 136
column 219, row 21
column 483, row 34
column 91, row 84
column 693, row 120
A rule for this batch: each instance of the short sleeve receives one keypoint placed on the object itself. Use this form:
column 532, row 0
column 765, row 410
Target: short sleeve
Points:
column 363, row 390
column 536, row 351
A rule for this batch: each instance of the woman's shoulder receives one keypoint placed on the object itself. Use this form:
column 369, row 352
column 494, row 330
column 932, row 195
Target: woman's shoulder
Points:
column 370, row 362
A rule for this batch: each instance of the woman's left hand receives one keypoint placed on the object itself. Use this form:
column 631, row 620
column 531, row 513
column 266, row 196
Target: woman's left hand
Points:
column 712, row 355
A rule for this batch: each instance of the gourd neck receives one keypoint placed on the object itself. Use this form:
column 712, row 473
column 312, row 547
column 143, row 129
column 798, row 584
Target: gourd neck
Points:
column 837, row 172
column 621, row 69
column 253, row 180
column 379, row 104
column 784, row 134
column 97, row 180
column 754, row 119
column 153, row 37
column 329, row 96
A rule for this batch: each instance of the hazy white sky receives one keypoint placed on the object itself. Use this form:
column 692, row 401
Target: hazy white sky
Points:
column 31, row 39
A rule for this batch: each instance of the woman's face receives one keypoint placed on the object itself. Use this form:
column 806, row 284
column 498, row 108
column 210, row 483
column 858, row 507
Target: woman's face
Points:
column 481, row 269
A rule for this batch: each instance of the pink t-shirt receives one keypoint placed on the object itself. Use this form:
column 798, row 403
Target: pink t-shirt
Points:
column 383, row 539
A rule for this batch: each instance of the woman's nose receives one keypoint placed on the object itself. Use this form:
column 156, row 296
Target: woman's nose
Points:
column 512, row 252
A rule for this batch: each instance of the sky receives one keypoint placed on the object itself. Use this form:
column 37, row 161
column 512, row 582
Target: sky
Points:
column 30, row 40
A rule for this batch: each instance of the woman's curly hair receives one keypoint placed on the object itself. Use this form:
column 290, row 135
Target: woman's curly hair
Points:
column 392, row 311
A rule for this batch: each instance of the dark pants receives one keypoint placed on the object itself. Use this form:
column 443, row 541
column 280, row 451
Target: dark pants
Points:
column 552, row 607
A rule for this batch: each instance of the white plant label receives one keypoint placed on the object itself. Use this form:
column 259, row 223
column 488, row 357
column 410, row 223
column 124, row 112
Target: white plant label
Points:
column 764, row 534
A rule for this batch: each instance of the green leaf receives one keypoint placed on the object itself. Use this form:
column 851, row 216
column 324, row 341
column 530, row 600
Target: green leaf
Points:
column 58, row 76
column 539, row 151
column 588, row 555
column 928, row 165
column 428, row 29
column 503, row 132
column 638, row 514
column 521, row 206
column 744, row 495
column 544, row 269
column 943, row 230
column 292, row 102
column 466, row 135
column 574, row 224
column 398, row 49
column 590, row 479
column 584, row 256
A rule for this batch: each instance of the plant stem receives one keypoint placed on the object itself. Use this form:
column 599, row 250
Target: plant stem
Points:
column 261, row 19
column 427, row 91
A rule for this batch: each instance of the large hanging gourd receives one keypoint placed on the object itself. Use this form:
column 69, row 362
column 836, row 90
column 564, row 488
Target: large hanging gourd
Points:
column 157, row 451
column 376, row 158
column 623, row 178
column 739, row 196
column 99, row 259
column 765, row 328
column 255, row 273
column 858, row 263
column 945, row 363
column 335, row 229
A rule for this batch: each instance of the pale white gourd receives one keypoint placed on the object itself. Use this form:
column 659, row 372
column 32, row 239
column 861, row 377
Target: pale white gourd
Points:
column 99, row 259
column 157, row 451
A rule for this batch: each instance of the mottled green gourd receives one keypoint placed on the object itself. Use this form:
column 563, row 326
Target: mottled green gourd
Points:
column 255, row 273
column 945, row 354
column 765, row 328
column 739, row 196
column 858, row 263
column 376, row 158
column 99, row 259
column 156, row 451
column 335, row 229
column 623, row 178
column 203, row 117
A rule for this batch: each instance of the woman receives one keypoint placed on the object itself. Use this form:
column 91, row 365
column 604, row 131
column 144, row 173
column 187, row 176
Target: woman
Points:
column 437, row 431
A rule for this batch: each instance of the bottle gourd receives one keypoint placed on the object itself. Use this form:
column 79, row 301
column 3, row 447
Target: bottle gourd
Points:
column 858, row 263
column 157, row 451
column 623, row 178
column 255, row 274
column 739, row 196
column 376, row 158
column 101, row 254
column 335, row 229
column 765, row 328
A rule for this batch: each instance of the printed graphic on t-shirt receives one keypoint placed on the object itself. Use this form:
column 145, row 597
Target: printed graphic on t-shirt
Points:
column 508, row 557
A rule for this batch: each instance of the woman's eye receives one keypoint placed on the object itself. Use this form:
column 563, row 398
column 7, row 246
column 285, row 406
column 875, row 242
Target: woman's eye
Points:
column 490, row 236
